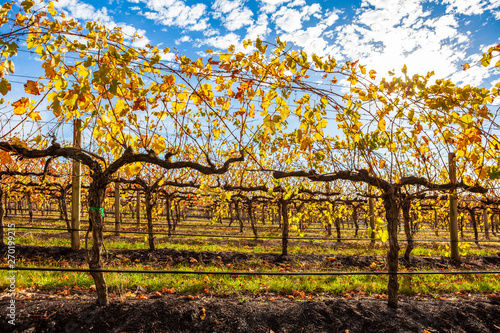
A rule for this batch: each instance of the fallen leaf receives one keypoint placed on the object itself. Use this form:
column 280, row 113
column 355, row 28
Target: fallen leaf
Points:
column 203, row 314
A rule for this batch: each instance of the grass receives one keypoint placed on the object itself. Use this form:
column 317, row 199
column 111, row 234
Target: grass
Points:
column 219, row 284
column 189, row 284
column 203, row 244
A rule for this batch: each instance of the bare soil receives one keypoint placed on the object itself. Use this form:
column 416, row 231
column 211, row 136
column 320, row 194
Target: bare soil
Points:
column 232, row 313
column 170, row 257
column 76, row 311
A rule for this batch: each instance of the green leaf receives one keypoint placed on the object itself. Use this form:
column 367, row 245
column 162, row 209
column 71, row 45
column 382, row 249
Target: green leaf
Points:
column 27, row 5
column 4, row 86
column 494, row 173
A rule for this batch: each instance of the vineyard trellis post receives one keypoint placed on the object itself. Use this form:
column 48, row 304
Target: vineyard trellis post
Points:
column 371, row 212
column 455, row 254
column 117, row 209
column 138, row 206
column 76, row 193
column 485, row 223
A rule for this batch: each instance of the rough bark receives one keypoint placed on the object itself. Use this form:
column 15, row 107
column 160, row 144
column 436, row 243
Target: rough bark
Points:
column 263, row 214
column 337, row 226
column 96, row 200
column 30, row 208
column 252, row 219
column 168, row 212
column 371, row 209
column 462, row 227
column 285, row 231
column 2, row 211
column 328, row 228
column 355, row 220
column 392, row 217
column 149, row 216
column 7, row 206
column 238, row 215
column 436, row 223
column 472, row 214
column 138, row 207
column 64, row 208
column 493, row 226
column 230, row 212
column 405, row 207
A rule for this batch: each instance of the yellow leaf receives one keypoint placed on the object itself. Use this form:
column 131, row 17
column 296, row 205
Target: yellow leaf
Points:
column 381, row 124
column 225, row 57
column 35, row 116
column 132, row 169
column 392, row 147
column 52, row 11
column 216, row 133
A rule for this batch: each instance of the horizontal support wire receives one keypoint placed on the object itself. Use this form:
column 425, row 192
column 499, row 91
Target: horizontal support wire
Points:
column 253, row 238
column 83, row 270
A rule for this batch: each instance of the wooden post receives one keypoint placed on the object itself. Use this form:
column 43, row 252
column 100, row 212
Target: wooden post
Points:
column 455, row 254
column 138, row 206
column 485, row 222
column 117, row 209
column 76, row 196
column 436, row 222
column 371, row 212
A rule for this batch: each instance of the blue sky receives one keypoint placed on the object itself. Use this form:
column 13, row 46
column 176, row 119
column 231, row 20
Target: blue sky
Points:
column 426, row 35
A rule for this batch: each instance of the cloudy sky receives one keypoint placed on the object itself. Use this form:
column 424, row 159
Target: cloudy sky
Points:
column 438, row 35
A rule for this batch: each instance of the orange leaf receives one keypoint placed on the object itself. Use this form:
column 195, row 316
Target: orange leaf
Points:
column 21, row 106
column 5, row 157
column 31, row 87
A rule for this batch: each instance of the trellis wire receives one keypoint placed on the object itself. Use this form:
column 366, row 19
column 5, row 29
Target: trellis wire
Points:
column 176, row 272
column 260, row 237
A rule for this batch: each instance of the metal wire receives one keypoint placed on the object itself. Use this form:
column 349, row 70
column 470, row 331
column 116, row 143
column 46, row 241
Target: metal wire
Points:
column 260, row 237
column 139, row 271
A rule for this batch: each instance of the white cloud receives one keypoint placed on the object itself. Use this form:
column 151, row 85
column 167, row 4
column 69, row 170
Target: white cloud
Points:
column 466, row 7
column 290, row 19
column 233, row 14
column 210, row 32
column 310, row 39
column 176, row 13
column 222, row 42
column 85, row 12
column 475, row 75
column 169, row 56
column 330, row 17
column 183, row 39
column 270, row 6
column 389, row 34
column 259, row 29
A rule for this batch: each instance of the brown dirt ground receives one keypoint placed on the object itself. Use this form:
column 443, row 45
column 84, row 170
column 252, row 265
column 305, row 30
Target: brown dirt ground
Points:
column 233, row 313
column 53, row 311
